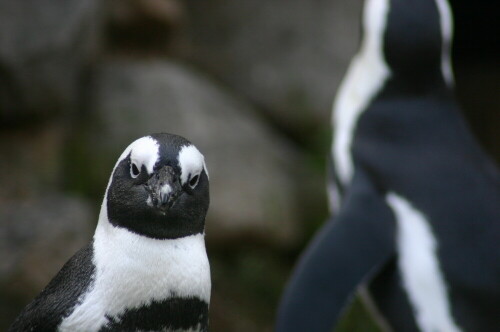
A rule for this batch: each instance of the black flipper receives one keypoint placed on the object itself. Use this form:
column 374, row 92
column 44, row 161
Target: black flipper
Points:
column 391, row 300
column 345, row 253
column 57, row 300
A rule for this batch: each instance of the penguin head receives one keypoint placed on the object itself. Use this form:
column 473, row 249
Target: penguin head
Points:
column 159, row 188
column 415, row 37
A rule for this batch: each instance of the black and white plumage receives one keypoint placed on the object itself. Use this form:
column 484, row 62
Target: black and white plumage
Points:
column 146, row 268
column 417, row 225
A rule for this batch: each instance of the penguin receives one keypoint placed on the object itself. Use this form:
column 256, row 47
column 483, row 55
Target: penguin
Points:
column 416, row 222
column 146, row 268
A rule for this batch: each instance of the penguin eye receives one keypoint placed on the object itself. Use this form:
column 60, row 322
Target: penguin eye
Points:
column 134, row 170
column 194, row 181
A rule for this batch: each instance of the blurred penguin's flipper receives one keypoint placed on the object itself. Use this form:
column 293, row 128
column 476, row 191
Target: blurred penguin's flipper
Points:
column 344, row 254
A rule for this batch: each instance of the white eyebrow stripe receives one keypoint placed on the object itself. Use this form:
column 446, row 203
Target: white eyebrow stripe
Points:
column 143, row 145
column 143, row 152
column 146, row 153
column 191, row 162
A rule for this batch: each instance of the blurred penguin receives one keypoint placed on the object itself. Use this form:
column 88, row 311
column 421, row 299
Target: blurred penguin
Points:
column 417, row 227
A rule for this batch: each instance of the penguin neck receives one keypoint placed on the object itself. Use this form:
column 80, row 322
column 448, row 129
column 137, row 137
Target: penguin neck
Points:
column 116, row 235
column 117, row 243
column 117, row 251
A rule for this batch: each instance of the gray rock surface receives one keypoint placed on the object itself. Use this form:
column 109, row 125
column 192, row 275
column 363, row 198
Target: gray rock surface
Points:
column 37, row 236
column 31, row 161
column 254, row 174
column 286, row 55
column 44, row 45
column 143, row 27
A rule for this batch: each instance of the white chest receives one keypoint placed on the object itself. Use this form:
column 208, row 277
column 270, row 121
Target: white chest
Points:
column 132, row 271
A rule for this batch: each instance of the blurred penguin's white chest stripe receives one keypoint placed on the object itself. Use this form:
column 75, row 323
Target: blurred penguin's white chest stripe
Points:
column 365, row 77
column 419, row 266
column 133, row 270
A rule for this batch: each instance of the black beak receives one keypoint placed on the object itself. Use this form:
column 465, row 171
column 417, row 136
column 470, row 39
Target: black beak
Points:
column 164, row 188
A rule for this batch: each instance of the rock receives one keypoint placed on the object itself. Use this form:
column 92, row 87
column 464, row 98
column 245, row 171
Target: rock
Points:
column 286, row 56
column 255, row 175
column 37, row 236
column 31, row 160
column 44, row 46
column 143, row 27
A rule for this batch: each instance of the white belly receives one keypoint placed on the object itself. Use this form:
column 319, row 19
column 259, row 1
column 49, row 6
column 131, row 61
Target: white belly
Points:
column 133, row 270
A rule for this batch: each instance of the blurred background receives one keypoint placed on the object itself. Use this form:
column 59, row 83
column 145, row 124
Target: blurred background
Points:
column 250, row 82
